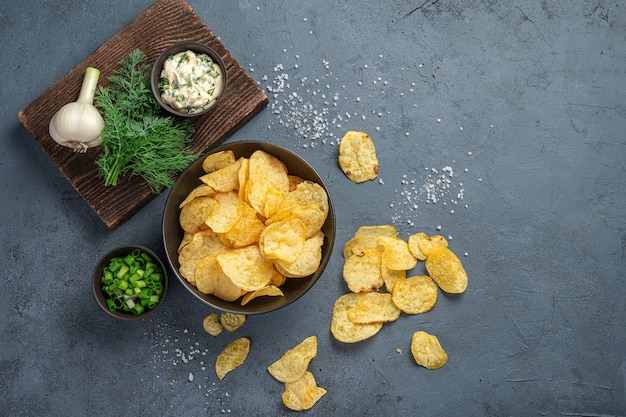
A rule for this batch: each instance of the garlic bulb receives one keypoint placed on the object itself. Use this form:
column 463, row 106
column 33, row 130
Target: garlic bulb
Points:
column 79, row 125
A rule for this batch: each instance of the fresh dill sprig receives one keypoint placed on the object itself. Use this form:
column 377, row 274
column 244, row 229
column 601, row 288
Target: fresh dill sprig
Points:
column 137, row 140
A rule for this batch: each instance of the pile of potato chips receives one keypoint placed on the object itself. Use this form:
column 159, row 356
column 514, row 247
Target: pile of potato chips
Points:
column 301, row 390
column 249, row 226
column 376, row 259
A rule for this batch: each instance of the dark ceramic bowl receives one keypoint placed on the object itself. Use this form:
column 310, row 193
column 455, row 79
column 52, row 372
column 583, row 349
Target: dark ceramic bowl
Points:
column 155, row 75
column 100, row 295
column 293, row 288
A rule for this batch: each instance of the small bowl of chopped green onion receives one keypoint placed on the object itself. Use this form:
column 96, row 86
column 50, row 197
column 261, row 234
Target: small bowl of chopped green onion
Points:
column 188, row 79
column 129, row 282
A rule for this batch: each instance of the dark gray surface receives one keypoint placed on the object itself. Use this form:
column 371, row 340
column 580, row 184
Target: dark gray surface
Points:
column 524, row 100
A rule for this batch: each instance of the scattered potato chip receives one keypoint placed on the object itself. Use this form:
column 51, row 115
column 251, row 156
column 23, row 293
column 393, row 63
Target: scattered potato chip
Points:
column 268, row 290
column 233, row 355
column 345, row 330
column 225, row 179
column 362, row 272
column 373, row 307
column 427, row 351
column 294, row 363
column 396, row 253
column 366, row 238
column 283, row 240
column 446, row 269
column 218, row 160
column 357, row 156
column 307, row 261
column 232, row 321
column 420, row 244
column 246, row 267
column 303, row 393
column 194, row 213
column 390, row 276
column 415, row 295
column 212, row 325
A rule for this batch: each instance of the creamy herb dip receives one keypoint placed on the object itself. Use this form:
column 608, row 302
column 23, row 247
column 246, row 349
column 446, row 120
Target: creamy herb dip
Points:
column 191, row 82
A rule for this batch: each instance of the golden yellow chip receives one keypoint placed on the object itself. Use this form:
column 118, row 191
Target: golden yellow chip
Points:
column 390, row 276
column 283, row 240
column 294, row 180
column 207, row 271
column 244, row 170
column 303, row 393
column 311, row 215
column 366, row 238
column 218, row 160
column 307, row 261
column 415, row 295
column 427, row 351
column 201, row 190
column 420, row 244
column 232, row 321
column 268, row 291
column 232, row 356
column 194, row 213
column 212, row 325
column 396, row 253
column 204, row 243
column 224, row 288
column 446, row 269
column 267, row 183
column 187, row 238
column 294, row 363
column 345, row 330
column 357, row 156
column 373, row 307
column 278, row 278
column 304, row 194
column 225, row 212
column 247, row 230
column 246, row 267
column 225, row 179
column 362, row 272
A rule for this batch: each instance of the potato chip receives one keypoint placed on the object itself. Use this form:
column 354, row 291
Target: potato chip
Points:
column 194, row 213
column 247, row 230
column 415, row 295
column 246, row 267
column 206, row 274
column 283, row 240
column 202, row 190
column 390, row 276
column 267, row 184
column 294, row 180
column 278, row 278
column 294, row 363
column 303, row 393
column 446, row 269
column 233, row 355
column 396, row 253
column 225, row 212
column 366, row 238
column 212, row 325
column 244, row 170
column 204, row 243
column 362, row 272
column 357, row 156
column 232, row 321
column 305, row 194
column 267, row 291
column 345, row 330
column 225, row 179
column 373, row 307
column 224, row 288
column 218, row 160
column 420, row 244
column 427, row 351
column 311, row 215
column 307, row 261
column 187, row 238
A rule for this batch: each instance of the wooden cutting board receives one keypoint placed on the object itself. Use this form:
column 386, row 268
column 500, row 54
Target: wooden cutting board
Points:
column 162, row 24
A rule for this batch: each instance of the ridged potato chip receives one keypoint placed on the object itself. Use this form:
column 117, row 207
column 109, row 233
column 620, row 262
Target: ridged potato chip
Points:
column 303, row 393
column 218, row 160
column 283, row 240
column 246, row 267
column 345, row 330
column 269, row 291
column 357, row 156
column 446, row 269
column 373, row 307
column 307, row 261
column 420, row 244
column 225, row 179
column 396, row 253
column 232, row 321
column 211, row 324
column 267, row 184
column 362, row 272
column 427, row 351
column 415, row 295
column 233, row 355
column 294, row 363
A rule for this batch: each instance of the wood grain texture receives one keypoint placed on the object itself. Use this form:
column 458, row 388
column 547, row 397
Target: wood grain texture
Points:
column 176, row 21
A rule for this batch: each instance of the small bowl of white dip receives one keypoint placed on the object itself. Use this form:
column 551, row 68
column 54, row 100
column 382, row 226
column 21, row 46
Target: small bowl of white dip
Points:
column 188, row 79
